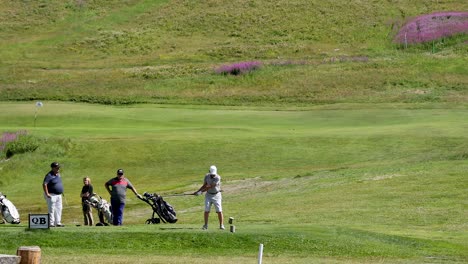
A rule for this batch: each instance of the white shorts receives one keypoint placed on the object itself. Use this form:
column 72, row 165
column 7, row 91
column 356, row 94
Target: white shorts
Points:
column 213, row 199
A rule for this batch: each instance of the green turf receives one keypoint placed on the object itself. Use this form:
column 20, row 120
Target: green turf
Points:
column 354, row 183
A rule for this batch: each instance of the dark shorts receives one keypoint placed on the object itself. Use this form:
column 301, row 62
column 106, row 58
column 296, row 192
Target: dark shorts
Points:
column 86, row 207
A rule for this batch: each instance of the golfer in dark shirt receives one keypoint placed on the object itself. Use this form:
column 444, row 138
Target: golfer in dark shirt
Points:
column 86, row 192
column 53, row 189
column 119, row 184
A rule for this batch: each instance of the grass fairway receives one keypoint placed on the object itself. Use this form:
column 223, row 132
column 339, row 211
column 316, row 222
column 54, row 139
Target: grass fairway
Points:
column 342, row 184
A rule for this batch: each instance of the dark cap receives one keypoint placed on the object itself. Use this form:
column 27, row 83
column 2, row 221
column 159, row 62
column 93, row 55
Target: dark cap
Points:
column 55, row 165
column 120, row 172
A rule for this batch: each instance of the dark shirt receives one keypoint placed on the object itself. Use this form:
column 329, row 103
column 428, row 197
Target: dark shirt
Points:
column 54, row 183
column 86, row 189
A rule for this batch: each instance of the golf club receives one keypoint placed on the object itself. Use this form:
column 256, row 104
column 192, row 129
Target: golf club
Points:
column 183, row 194
column 65, row 199
column 179, row 194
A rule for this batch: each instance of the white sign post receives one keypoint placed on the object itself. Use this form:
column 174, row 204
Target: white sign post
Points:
column 260, row 254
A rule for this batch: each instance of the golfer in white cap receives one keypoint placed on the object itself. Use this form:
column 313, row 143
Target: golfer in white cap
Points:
column 212, row 187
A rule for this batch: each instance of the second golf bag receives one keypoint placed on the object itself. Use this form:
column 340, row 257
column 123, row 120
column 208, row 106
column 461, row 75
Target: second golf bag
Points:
column 160, row 207
column 9, row 212
column 103, row 208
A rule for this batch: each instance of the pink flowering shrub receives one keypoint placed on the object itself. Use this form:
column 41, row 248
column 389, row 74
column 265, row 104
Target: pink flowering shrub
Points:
column 239, row 68
column 10, row 137
column 433, row 26
column 18, row 142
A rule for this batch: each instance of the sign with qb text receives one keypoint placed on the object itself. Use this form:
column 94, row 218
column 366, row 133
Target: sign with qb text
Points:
column 38, row 221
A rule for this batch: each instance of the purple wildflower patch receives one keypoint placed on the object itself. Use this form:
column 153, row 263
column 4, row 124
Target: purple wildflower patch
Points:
column 433, row 26
column 9, row 137
column 239, row 68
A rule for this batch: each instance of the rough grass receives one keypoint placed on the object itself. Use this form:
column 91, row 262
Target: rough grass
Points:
column 410, row 80
column 160, row 52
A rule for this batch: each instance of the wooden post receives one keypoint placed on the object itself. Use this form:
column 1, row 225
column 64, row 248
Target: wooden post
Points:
column 29, row 254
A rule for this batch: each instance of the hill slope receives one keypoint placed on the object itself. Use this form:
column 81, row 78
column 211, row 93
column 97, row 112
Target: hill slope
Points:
column 165, row 52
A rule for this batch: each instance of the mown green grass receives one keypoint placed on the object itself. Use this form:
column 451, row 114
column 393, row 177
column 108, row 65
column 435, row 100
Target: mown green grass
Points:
column 299, row 244
column 356, row 183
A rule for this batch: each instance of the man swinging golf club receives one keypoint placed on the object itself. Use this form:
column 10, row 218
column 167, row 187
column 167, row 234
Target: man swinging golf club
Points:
column 212, row 187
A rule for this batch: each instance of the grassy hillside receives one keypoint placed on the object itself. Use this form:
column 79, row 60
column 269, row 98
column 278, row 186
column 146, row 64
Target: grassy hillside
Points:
column 317, row 52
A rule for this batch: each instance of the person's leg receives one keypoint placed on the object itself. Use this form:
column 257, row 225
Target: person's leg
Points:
column 85, row 213
column 206, row 215
column 85, row 218
column 221, row 219
column 58, row 210
column 217, row 201
column 207, row 211
column 50, row 209
column 121, row 210
column 115, row 212
column 90, row 217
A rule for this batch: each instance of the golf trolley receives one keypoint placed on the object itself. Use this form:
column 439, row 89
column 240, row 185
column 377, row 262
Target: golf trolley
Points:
column 8, row 210
column 165, row 211
column 103, row 208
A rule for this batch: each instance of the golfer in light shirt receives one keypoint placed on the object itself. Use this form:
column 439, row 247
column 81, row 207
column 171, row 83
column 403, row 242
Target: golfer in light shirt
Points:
column 212, row 187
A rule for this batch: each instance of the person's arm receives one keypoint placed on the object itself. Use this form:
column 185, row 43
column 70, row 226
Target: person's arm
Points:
column 202, row 189
column 107, row 188
column 135, row 192
column 46, row 190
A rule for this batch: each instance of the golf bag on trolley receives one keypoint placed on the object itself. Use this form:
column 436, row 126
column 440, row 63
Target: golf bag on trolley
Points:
column 9, row 212
column 103, row 208
column 160, row 207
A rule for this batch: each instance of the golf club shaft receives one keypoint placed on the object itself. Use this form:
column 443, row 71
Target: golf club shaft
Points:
column 65, row 199
column 180, row 194
column 183, row 194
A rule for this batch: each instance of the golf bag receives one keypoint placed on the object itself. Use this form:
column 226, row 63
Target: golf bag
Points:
column 103, row 208
column 160, row 207
column 9, row 212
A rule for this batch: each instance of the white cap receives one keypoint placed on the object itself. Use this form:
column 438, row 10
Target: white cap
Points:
column 213, row 170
